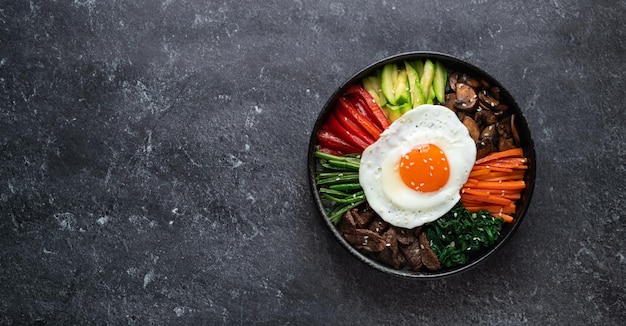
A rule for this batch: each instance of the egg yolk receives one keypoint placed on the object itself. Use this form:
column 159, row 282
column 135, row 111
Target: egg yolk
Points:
column 425, row 168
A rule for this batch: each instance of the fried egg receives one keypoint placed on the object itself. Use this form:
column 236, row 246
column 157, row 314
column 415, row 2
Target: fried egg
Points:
column 413, row 173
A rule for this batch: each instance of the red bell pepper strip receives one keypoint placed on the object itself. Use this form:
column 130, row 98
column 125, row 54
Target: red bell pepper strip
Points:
column 351, row 123
column 327, row 139
column 375, row 110
column 336, row 128
column 331, row 151
column 350, row 108
column 359, row 103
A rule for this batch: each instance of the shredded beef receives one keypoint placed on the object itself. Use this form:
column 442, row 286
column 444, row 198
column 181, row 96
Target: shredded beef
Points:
column 363, row 218
column 413, row 255
column 366, row 240
column 378, row 225
column 429, row 258
column 390, row 254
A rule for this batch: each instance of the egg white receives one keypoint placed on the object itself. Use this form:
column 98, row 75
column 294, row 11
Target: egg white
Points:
column 384, row 189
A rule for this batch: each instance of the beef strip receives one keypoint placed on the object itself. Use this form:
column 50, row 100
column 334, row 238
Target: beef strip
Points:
column 429, row 259
column 405, row 236
column 363, row 218
column 390, row 255
column 413, row 255
column 378, row 225
column 366, row 241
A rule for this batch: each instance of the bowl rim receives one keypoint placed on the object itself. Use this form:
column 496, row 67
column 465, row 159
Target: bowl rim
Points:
column 528, row 147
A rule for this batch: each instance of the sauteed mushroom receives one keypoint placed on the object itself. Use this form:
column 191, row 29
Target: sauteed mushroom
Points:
column 485, row 117
column 487, row 101
column 466, row 97
column 472, row 127
column 483, row 147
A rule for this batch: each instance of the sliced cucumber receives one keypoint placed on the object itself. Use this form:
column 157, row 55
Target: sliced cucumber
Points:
column 431, row 95
column 372, row 86
column 394, row 112
column 417, row 95
column 388, row 79
column 401, row 89
column 426, row 79
column 419, row 67
column 439, row 82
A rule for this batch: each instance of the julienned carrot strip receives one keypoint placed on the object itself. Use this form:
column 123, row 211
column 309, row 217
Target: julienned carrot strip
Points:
column 505, row 185
column 507, row 218
column 488, row 199
column 479, row 172
column 512, row 196
column 496, row 155
column 471, row 191
column 507, row 178
column 491, row 168
column 498, row 176
column 515, row 160
column 511, row 166
column 471, row 182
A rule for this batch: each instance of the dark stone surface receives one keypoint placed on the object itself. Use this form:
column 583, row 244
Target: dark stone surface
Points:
column 153, row 161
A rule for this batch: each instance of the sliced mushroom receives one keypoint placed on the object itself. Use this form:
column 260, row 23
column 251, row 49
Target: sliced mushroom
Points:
column 485, row 117
column 504, row 127
column 500, row 109
column 466, row 97
column 506, row 143
column 483, row 147
column 514, row 130
column 487, row 101
column 453, row 80
column 495, row 92
column 472, row 127
column 488, row 132
column 469, row 80
column 450, row 100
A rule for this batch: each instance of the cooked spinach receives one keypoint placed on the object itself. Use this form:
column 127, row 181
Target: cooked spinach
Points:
column 459, row 234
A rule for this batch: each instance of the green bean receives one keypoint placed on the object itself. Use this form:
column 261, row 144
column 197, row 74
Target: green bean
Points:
column 350, row 199
column 337, row 215
column 334, row 192
column 333, row 180
column 346, row 186
column 335, row 174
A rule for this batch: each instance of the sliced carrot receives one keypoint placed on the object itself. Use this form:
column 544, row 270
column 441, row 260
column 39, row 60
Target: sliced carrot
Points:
column 513, row 196
column 488, row 199
column 507, row 218
column 480, row 172
column 506, row 178
column 471, row 181
column 471, row 191
column 496, row 155
column 504, row 185
column 511, row 166
column 516, row 160
column 492, row 168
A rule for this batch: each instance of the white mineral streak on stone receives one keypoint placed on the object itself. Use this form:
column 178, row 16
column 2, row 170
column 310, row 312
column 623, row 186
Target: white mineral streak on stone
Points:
column 179, row 311
column 148, row 278
column 103, row 220
column 66, row 221
column 235, row 161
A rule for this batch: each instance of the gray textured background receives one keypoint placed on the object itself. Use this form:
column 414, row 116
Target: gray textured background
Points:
column 153, row 161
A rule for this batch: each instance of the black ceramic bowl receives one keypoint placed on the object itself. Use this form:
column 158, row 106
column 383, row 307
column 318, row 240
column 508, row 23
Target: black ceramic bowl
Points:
column 526, row 142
